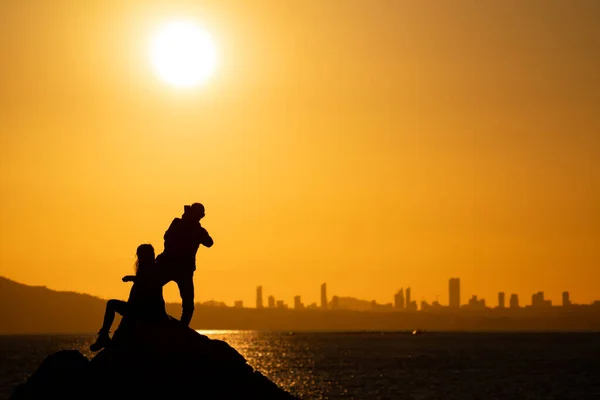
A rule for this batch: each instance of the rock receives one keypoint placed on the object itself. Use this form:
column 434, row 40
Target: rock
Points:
column 58, row 376
column 151, row 360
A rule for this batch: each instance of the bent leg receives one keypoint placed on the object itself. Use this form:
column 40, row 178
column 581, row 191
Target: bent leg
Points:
column 112, row 306
column 186, row 290
column 164, row 269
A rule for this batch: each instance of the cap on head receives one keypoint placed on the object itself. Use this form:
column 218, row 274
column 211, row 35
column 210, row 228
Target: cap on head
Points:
column 195, row 210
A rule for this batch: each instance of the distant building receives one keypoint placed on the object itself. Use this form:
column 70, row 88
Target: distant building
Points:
column 538, row 301
column 501, row 303
column 514, row 301
column 313, row 306
column 566, row 299
column 335, row 302
column 412, row 306
column 476, row 303
column 271, row 302
column 298, row 303
column 454, row 293
column 238, row 304
column 214, row 303
column 281, row 304
column 259, row 297
column 324, row 296
column 399, row 300
column 381, row 307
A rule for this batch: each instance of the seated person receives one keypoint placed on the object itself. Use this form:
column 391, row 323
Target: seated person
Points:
column 145, row 298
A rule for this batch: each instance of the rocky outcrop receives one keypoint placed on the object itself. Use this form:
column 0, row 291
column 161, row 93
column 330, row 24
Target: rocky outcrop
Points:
column 59, row 376
column 151, row 361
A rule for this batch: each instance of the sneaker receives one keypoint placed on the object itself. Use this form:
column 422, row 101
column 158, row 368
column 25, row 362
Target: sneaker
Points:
column 102, row 341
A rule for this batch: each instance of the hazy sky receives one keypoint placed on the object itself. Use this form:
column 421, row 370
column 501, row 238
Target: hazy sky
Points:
column 371, row 145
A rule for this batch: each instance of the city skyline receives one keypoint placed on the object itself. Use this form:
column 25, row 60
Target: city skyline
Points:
column 402, row 300
column 66, row 309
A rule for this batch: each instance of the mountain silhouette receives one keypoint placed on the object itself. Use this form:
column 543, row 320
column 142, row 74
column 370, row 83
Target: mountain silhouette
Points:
column 43, row 310
column 37, row 309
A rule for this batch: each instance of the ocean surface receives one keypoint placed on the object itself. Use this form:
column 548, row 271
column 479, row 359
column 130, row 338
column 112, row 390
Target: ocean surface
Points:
column 381, row 365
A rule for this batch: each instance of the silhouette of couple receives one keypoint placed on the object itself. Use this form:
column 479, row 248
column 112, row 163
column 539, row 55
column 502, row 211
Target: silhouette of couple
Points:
column 176, row 263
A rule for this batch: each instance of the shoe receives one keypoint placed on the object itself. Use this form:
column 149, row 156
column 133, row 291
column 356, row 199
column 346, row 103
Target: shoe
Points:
column 102, row 341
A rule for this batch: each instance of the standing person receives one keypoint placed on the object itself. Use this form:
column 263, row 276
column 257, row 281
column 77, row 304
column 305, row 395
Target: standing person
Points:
column 178, row 260
column 145, row 298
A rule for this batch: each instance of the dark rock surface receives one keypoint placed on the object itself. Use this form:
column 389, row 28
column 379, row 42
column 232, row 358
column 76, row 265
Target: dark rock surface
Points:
column 151, row 361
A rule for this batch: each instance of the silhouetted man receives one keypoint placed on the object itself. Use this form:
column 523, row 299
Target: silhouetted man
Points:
column 178, row 260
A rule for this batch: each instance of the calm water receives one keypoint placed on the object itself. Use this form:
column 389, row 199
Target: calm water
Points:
column 382, row 365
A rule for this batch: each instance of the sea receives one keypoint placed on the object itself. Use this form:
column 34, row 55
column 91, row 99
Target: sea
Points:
column 381, row 365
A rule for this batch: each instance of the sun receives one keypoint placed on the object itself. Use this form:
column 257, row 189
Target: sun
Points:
column 183, row 54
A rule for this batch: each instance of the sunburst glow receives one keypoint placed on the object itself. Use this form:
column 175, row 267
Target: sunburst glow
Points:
column 183, row 54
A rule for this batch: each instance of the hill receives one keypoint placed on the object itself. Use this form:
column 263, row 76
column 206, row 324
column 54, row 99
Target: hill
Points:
column 37, row 309
column 28, row 309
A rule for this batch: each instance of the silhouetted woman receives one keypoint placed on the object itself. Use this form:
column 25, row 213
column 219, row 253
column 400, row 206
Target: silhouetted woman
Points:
column 145, row 298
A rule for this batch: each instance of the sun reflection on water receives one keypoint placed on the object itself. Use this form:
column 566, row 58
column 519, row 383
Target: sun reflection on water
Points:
column 277, row 356
column 211, row 332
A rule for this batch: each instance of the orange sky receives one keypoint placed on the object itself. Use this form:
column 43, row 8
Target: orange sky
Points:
column 369, row 144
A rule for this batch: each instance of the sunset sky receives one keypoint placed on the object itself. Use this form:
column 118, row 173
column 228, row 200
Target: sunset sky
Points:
column 372, row 145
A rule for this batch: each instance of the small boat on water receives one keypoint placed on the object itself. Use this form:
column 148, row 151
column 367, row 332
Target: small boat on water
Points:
column 417, row 332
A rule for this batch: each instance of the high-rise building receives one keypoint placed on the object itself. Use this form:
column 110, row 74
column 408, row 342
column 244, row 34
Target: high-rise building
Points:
column 514, row 301
column 566, row 299
column 271, row 302
column 501, row 300
column 324, row 296
column 259, row 297
column 399, row 300
column 298, row 303
column 407, row 298
column 454, row 291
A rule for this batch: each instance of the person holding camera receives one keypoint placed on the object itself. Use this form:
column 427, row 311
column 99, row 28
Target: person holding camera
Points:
column 177, row 262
